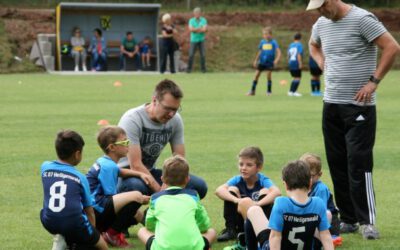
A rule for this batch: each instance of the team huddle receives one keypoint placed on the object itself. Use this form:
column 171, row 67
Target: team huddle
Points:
column 96, row 210
column 91, row 210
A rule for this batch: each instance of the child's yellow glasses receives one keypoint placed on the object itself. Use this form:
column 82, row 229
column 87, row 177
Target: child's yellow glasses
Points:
column 122, row 143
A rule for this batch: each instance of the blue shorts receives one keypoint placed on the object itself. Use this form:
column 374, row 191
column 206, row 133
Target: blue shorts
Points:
column 78, row 232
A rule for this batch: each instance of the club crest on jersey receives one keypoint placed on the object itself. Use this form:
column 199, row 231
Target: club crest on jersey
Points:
column 255, row 196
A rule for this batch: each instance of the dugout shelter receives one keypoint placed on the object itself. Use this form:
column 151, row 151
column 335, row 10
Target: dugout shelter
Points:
column 114, row 19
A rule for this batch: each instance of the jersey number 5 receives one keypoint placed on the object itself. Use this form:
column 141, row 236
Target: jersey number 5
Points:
column 57, row 196
column 292, row 235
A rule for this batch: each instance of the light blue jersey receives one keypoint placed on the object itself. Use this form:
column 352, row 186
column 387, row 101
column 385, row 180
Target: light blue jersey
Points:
column 295, row 49
column 103, row 179
column 297, row 222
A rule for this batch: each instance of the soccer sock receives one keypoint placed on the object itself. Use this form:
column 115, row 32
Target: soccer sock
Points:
column 318, row 85
column 269, row 86
column 263, row 236
column 254, row 86
column 250, row 236
column 315, row 85
column 294, row 85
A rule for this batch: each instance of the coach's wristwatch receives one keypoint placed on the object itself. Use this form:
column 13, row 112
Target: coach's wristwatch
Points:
column 375, row 80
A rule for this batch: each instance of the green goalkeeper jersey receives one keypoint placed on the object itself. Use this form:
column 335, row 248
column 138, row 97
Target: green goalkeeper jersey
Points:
column 178, row 218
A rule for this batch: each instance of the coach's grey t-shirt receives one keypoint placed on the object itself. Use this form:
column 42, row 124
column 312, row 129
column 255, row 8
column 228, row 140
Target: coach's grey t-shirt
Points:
column 150, row 135
column 350, row 54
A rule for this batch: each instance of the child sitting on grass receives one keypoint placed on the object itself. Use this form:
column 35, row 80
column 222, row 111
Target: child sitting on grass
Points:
column 114, row 212
column 243, row 191
column 68, row 205
column 176, row 219
column 319, row 189
column 294, row 219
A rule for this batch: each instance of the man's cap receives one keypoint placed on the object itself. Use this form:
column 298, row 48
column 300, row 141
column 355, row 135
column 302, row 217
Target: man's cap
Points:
column 315, row 4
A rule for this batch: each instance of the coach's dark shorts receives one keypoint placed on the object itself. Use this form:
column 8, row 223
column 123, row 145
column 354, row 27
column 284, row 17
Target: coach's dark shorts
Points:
column 105, row 219
column 295, row 72
column 151, row 239
column 315, row 71
column 266, row 66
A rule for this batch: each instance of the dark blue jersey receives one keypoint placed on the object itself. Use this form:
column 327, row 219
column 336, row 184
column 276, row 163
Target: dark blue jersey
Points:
column 103, row 178
column 295, row 49
column 66, row 193
column 253, row 193
column 267, row 49
column 319, row 189
column 297, row 222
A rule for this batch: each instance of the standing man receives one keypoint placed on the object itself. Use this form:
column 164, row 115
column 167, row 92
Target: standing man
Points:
column 149, row 128
column 198, row 29
column 344, row 43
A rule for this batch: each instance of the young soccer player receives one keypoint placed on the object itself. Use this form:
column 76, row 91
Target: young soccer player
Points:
column 68, row 205
column 145, row 51
column 243, row 191
column 266, row 59
column 319, row 189
column 294, row 219
column 176, row 219
column 114, row 212
column 316, row 73
column 295, row 58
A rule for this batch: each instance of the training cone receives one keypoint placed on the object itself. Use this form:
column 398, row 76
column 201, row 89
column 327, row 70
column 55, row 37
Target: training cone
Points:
column 283, row 82
column 103, row 123
column 117, row 84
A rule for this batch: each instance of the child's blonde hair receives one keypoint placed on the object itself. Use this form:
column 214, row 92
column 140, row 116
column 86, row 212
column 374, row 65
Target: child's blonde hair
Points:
column 175, row 171
column 267, row 30
column 108, row 135
column 314, row 162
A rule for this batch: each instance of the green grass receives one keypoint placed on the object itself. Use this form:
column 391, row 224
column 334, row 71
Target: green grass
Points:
column 219, row 121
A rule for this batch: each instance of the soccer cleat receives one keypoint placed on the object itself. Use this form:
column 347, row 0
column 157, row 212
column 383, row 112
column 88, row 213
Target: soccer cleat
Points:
column 369, row 232
column 337, row 240
column 290, row 93
column 227, row 234
column 316, row 93
column 116, row 240
column 348, row 228
column 251, row 93
column 269, row 93
column 297, row 94
column 59, row 242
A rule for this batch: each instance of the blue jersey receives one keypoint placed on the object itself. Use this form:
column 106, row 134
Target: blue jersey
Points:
column 144, row 48
column 297, row 222
column 295, row 49
column 319, row 189
column 312, row 63
column 262, row 182
column 66, row 193
column 267, row 49
column 103, row 178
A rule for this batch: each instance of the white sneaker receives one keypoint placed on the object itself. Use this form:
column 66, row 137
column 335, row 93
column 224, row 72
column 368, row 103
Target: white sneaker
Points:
column 76, row 68
column 84, row 68
column 290, row 93
column 59, row 242
column 297, row 94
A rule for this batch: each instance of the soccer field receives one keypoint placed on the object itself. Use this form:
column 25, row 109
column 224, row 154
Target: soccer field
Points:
column 219, row 120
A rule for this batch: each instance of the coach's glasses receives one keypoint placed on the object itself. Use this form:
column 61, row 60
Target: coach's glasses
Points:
column 122, row 143
column 169, row 110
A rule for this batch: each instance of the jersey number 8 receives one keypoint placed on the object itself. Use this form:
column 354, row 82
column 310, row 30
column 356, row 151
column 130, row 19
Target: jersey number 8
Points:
column 57, row 196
